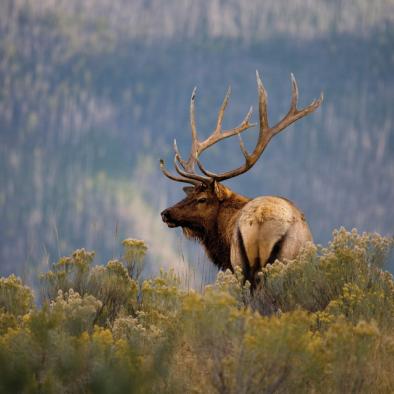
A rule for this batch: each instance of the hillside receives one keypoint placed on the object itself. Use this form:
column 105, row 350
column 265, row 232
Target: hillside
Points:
column 92, row 94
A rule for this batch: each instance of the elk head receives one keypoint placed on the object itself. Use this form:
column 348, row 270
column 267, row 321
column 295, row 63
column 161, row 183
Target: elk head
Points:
column 209, row 210
column 198, row 211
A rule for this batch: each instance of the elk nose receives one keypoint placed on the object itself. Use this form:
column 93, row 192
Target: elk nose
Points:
column 165, row 215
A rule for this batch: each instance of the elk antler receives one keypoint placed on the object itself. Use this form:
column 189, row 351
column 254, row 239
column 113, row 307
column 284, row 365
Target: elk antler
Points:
column 188, row 173
column 266, row 132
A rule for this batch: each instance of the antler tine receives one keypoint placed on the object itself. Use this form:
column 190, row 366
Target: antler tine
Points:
column 209, row 174
column 294, row 93
column 178, row 155
column 244, row 125
column 263, row 114
column 221, row 111
column 191, row 176
column 188, row 165
column 175, row 178
column 212, row 174
column 294, row 114
column 192, row 115
column 243, row 148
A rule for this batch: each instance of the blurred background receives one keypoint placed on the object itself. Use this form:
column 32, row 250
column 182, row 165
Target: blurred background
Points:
column 92, row 94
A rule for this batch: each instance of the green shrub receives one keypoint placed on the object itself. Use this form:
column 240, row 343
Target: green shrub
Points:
column 111, row 284
column 15, row 298
column 326, row 327
column 350, row 267
column 133, row 257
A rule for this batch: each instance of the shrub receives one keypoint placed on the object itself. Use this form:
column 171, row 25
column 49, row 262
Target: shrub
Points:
column 133, row 257
column 109, row 284
column 349, row 268
column 15, row 298
column 326, row 327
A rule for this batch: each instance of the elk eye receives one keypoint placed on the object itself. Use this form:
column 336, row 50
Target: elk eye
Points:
column 202, row 200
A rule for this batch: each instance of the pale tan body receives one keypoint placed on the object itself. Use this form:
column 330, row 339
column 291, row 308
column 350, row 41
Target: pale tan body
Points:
column 263, row 223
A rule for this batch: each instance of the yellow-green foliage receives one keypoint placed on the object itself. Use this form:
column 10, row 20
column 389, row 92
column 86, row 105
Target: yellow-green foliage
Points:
column 15, row 301
column 111, row 284
column 15, row 298
column 326, row 326
column 134, row 253
column 344, row 278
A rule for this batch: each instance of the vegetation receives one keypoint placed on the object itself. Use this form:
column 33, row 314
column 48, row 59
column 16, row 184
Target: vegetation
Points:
column 326, row 326
column 92, row 93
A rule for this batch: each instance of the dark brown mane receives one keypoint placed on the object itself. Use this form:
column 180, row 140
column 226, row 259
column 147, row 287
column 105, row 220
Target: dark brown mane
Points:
column 217, row 241
column 216, row 248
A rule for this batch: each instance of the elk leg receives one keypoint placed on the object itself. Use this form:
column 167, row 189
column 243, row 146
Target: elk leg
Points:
column 270, row 243
column 295, row 239
column 253, row 245
column 238, row 255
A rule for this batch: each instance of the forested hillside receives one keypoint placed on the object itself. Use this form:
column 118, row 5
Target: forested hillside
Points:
column 93, row 93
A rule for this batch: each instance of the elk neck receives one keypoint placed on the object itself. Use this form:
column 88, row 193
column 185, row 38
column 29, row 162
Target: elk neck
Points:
column 217, row 239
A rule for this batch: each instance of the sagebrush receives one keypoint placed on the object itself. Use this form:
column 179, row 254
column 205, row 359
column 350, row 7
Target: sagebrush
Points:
column 322, row 323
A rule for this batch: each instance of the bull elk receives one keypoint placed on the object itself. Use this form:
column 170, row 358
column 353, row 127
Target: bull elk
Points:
column 236, row 230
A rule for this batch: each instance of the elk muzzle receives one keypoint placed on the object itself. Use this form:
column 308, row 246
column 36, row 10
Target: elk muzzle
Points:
column 168, row 219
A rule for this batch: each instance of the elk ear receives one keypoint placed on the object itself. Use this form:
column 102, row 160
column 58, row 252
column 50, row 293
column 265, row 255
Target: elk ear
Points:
column 222, row 192
column 188, row 190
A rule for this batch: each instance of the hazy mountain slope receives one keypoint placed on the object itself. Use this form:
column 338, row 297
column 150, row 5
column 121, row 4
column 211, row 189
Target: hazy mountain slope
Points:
column 88, row 89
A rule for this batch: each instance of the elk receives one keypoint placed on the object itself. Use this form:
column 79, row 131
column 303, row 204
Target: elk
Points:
column 236, row 230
